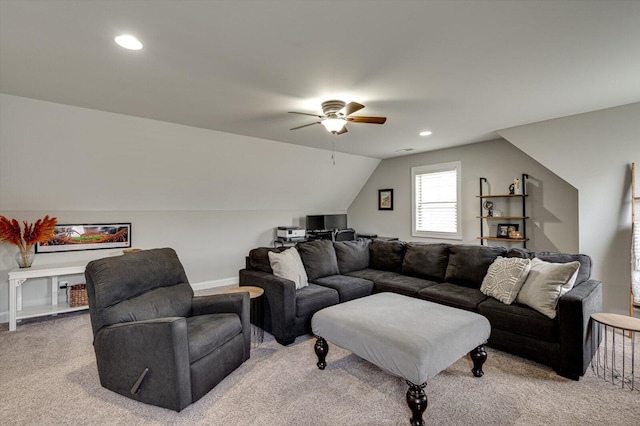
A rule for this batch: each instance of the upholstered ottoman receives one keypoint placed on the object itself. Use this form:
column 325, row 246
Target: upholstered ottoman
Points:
column 407, row 337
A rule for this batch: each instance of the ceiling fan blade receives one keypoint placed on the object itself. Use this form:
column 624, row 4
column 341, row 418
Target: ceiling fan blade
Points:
column 350, row 108
column 304, row 113
column 372, row 120
column 343, row 130
column 306, row 125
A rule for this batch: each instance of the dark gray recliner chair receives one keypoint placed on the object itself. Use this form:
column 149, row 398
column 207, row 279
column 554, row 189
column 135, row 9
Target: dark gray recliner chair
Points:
column 154, row 341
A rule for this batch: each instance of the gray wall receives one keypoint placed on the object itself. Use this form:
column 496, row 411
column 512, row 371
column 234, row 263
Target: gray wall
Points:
column 210, row 195
column 552, row 203
column 594, row 151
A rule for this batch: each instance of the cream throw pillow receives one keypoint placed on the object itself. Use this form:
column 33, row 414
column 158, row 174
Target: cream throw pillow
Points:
column 546, row 283
column 505, row 278
column 288, row 264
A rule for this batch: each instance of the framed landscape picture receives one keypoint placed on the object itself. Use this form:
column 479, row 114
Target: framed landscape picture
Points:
column 385, row 199
column 87, row 236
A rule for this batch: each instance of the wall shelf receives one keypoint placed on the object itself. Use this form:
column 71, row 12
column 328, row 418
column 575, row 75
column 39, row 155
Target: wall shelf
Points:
column 522, row 220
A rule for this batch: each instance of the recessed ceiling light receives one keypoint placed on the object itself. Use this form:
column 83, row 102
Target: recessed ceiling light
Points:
column 128, row 42
column 425, row 133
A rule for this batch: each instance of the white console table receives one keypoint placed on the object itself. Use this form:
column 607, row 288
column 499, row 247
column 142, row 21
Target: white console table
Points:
column 18, row 276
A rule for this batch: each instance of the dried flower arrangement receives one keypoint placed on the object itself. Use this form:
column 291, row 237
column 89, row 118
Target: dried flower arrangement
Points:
column 40, row 231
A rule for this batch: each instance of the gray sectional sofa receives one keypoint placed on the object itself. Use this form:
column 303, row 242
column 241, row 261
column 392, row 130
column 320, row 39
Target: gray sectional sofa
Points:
column 450, row 274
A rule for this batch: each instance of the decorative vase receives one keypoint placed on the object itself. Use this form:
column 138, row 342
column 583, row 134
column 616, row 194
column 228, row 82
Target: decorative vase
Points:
column 25, row 257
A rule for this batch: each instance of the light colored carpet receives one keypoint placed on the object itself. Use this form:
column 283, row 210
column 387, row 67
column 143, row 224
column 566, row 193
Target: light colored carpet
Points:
column 48, row 376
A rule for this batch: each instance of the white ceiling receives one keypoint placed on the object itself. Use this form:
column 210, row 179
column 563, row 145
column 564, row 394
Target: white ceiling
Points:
column 462, row 69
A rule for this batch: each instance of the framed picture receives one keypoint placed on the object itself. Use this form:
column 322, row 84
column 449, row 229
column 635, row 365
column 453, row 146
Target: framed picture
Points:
column 87, row 236
column 505, row 228
column 385, row 199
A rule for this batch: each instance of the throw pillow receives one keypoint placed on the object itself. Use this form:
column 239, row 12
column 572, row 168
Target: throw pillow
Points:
column 545, row 284
column 288, row 265
column 505, row 278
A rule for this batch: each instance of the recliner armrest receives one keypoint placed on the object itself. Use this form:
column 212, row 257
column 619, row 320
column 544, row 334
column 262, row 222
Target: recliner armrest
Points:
column 124, row 350
column 234, row 303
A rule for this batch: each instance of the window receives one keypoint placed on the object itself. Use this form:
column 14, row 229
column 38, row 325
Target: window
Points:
column 435, row 206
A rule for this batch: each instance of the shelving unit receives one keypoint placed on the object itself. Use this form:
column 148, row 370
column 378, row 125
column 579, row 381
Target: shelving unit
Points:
column 522, row 220
column 18, row 276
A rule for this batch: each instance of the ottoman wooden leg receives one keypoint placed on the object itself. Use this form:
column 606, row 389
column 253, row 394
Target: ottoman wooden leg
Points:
column 417, row 401
column 478, row 356
column 322, row 349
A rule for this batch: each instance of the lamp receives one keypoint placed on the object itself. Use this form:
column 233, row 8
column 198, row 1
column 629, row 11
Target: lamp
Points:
column 334, row 125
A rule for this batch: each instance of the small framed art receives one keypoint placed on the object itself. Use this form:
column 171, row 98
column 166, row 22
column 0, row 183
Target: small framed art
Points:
column 504, row 229
column 385, row 199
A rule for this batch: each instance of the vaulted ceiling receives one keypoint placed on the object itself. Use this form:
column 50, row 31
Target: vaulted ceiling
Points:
column 461, row 69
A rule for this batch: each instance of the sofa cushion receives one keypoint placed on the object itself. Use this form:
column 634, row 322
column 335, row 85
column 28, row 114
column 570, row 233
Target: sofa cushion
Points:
column 546, row 283
column 348, row 288
column 288, row 265
column 209, row 332
column 312, row 298
column 584, row 273
column 259, row 258
column 352, row 255
column 468, row 264
column 519, row 319
column 426, row 260
column 505, row 278
column 453, row 295
column 387, row 255
column 319, row 258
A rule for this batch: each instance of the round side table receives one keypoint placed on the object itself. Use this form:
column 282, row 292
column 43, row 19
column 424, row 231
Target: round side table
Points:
column 255, row 293
column 607, row 364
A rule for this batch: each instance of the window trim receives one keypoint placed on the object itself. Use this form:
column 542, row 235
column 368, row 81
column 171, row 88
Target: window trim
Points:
column 434, row 168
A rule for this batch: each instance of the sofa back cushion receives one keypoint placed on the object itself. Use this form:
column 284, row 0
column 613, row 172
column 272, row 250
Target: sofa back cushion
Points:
column 426, row 260
column 319, row 258
column 352, row 255
column 584, row 273
column 259, row 258
column 468, row 264
column 387, row 255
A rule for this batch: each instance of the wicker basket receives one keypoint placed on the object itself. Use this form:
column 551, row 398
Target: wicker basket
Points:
column 78, row 295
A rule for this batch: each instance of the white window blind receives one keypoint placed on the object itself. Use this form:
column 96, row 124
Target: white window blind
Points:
column 436, row 195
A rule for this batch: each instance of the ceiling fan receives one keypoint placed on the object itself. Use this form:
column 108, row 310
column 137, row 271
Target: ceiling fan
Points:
column 336, row 116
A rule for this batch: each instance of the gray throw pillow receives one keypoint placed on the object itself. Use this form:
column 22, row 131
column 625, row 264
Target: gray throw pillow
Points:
column 319, row 258
column 505, row 277
column 546, row 283
column 352, row 255
column 288, row 265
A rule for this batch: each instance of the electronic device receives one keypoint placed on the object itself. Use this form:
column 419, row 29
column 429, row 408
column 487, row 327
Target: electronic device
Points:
column 291, row 233
column 326, row 222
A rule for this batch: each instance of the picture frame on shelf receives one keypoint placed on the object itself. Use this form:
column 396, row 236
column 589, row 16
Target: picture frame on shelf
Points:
column 87, row 236
column 504, row 229
column 385, row 199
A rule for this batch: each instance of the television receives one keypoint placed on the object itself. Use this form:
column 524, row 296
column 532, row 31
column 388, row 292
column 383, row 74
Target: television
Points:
column 326, row 222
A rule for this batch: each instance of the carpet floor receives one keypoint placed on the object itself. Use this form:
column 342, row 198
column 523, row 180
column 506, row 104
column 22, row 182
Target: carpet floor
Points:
column 48, row 376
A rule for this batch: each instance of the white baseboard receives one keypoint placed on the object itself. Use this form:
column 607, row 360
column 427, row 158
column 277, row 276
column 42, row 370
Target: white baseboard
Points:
column 4, row 316
column 215, row 283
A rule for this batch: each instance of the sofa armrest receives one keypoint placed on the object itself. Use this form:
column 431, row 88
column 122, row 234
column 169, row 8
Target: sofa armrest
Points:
column 279, row 302
column 124, row 350
column 233, row 303
column 574, row 323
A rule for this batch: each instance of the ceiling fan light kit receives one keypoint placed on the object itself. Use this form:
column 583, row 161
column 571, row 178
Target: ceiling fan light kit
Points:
column 333, row 125
column 336, row 115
